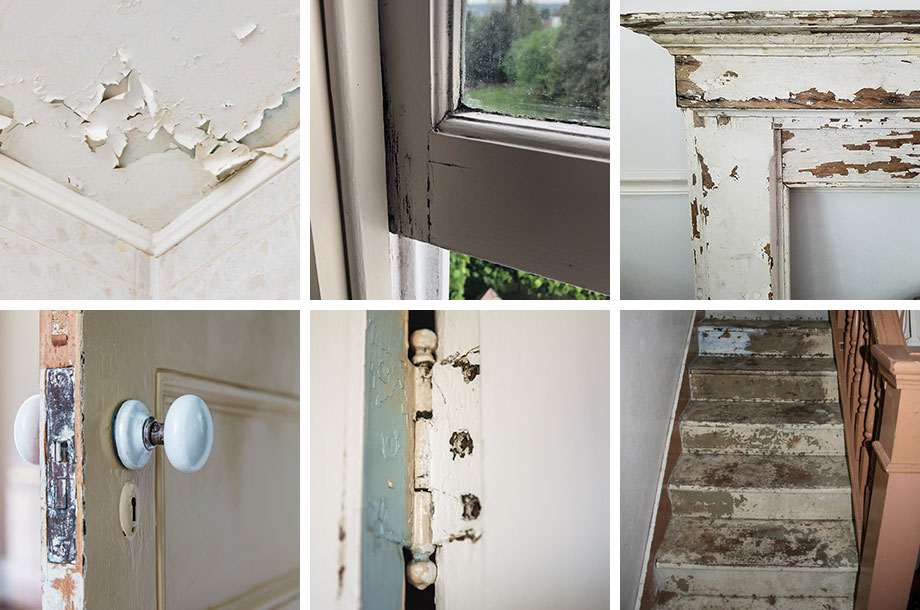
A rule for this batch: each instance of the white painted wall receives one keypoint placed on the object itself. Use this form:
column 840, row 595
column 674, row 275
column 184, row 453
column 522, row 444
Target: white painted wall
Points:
column 546, row 452
column 653, row 348
column 844, row 244
column 20, row 564
column 336, row 440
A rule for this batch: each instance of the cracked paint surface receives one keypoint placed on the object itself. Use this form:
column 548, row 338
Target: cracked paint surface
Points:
column 146, row 106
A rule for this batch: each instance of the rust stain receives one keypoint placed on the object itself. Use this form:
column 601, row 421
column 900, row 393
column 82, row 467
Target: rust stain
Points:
column 894, row 166
column 708, row 184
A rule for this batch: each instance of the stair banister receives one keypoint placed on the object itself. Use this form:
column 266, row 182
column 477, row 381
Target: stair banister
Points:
column 892, row 537
column 879, row 381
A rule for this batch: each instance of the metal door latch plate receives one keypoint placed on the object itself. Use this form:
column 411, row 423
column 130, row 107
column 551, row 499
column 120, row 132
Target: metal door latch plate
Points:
column 60, row 466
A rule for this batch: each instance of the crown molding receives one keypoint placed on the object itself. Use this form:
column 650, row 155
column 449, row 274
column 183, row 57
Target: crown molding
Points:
column 155, row 243
column 46, row 190
column 225, row 195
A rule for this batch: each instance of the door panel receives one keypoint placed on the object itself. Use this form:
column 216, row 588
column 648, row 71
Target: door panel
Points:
column 242, row 506
column 198, row 538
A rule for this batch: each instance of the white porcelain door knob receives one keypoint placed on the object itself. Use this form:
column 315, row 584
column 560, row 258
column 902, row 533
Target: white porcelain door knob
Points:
column 25, row 429
column 187, row 434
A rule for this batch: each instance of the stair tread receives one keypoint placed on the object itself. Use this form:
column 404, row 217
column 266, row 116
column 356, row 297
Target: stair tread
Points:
column 736, row 412
column 780, row 325
column 769, row 472
column 757, row 543
column 772, row 602
column 763, row 365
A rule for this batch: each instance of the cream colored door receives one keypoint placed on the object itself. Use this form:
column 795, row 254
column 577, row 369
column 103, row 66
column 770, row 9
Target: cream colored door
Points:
column 226, row 536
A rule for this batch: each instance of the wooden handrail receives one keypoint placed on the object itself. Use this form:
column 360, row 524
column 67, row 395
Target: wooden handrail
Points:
column 879, row 380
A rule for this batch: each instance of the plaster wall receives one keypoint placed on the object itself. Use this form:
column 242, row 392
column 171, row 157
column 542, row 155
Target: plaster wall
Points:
column 653, row 346
column 250, row 250
column 841, row 247
column 546, row 459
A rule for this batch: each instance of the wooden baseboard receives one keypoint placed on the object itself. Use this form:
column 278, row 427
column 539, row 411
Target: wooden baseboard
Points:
column 663, row 516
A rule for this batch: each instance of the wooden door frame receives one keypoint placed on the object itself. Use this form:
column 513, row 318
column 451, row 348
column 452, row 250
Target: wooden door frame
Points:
column 748, row 142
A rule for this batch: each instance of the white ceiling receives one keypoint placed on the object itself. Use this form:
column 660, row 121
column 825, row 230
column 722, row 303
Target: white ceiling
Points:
column 146, row 105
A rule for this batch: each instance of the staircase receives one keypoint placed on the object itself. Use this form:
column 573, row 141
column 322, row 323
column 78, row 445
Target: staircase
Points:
column 760, row 494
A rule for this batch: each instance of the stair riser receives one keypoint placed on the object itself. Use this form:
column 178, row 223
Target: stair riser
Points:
column 723, row 341
column 773, row 504
column 695, row 602
column 760, row 387
column 763, row 440
column 754, row 581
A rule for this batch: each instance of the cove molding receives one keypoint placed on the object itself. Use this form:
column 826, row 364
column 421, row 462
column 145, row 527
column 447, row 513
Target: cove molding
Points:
column 154, row 243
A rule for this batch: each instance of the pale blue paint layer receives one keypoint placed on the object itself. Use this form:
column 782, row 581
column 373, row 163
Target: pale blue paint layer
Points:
column 386, row 455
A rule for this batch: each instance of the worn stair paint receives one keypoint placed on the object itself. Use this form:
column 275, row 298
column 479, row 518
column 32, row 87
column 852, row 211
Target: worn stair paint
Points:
column 765, row 338
column 760, row 496
column 762, row 428
column 770, row 602
column 761, row 486
column 763, row 378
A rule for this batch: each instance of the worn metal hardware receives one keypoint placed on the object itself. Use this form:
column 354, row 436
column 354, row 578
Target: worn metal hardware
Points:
column 187, row 434
column 421, row 570
column 60, row 466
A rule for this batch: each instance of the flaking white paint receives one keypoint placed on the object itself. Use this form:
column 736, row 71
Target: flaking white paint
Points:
column 143, row 106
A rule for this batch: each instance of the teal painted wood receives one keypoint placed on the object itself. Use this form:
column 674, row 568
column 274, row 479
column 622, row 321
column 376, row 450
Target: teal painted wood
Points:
column 385, row 526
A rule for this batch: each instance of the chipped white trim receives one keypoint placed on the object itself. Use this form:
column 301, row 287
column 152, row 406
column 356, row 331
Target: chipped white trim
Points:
column 225, row 195
column 653, row 182
column 72, row 203
column 156, row 243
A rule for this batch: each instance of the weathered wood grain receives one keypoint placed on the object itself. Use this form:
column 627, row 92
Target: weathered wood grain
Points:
column 850, row 157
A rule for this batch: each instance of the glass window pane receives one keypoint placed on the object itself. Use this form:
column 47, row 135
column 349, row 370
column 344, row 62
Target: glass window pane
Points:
column 539, row 59
column 475, row 279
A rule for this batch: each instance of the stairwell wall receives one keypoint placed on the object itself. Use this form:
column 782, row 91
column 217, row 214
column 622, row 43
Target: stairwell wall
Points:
column 653, row 348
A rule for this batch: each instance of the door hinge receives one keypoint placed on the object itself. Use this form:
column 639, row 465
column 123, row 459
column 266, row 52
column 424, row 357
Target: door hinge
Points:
column 421, row 570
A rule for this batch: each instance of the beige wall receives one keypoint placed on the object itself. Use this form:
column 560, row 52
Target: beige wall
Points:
column 20, row 572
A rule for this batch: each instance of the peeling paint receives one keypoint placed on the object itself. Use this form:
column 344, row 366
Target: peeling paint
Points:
column 125, row 95
column 470, row 370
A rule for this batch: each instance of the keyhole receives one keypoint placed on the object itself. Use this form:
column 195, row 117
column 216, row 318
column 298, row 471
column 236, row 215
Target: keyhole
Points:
column 127, row 510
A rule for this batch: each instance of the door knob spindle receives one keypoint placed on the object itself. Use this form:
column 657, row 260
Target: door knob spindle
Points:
column 187, row 433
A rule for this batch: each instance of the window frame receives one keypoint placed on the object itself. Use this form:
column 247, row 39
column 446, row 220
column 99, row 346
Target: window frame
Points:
column 529, row 194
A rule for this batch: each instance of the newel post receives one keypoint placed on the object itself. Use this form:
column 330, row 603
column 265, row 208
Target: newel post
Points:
column 892, row 535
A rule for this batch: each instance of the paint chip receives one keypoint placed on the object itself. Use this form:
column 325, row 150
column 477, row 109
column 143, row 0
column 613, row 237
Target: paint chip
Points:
column 245, row 30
